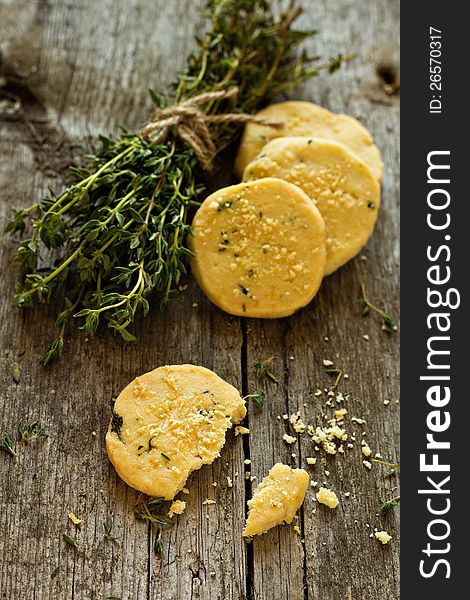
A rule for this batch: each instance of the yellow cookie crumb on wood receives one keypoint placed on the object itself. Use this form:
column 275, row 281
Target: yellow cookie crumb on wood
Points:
column 240, row 430
column 259, row 248
column 327, row 497
column 366, row 451
column 276, row 499
column 340, row 184
column 177, row 508
column 75, row 520
column 168, row 423
column 308, row 119
column 382, row 536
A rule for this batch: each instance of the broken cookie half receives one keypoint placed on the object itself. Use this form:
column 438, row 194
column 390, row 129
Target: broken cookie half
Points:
column 168, row 423
column 276, row 500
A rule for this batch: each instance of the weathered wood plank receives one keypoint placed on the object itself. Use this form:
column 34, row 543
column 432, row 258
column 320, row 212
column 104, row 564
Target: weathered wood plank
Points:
column 205, row 556
column 338, row 559
column 277, row 556
column 82, row 68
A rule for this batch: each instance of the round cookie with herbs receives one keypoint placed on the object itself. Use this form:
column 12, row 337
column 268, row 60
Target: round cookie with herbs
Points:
column 259, row 248
column 168, row 423
column 307, row 119
column 341, row 185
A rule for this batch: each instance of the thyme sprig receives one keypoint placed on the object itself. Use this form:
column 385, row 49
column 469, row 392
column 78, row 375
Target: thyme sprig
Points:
column 16, row 372
column 263, row 369
column 338, row 373
column 394, row 467
column 388, row 504
column 388, row 323
column 7, row 444
column 150, row 510
column 117, row 233
column 31, row 431
column 257, row 398
column 55, row 571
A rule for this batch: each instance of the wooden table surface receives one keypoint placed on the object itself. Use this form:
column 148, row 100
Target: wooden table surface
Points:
column 81, row 68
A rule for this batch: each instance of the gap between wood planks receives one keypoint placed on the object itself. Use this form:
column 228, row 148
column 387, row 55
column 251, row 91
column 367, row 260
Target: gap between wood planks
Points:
column 246, row 454
column 250, row 571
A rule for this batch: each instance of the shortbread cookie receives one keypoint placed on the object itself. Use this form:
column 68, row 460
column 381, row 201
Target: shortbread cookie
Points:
column 168, row 423
column 342, row 186
column 307, row 119
column 276, row 500
column 259, row 248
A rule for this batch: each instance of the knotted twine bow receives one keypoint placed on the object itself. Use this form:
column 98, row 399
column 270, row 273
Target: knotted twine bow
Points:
column 192, row 124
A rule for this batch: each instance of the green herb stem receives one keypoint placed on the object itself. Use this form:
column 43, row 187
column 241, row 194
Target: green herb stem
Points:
column 7, row 445
column 388, row 504
column 31, row 431
column 257, row 398
column 388, row 323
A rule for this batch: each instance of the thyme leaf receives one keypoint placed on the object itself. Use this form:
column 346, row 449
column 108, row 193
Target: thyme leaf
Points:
column 394, row 467
column 158, row 544
column 70, row 540
column 150, row 510
column 116, row 423
column 108, row 529
column 257, row 398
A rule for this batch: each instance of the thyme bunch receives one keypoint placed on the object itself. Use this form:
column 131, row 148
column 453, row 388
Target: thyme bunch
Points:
column 115, row 238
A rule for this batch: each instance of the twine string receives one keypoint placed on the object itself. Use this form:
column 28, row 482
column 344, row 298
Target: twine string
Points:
column 192, row 124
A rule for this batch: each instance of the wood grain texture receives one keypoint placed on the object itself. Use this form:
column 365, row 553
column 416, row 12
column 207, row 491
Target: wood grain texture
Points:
column 81, row 68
